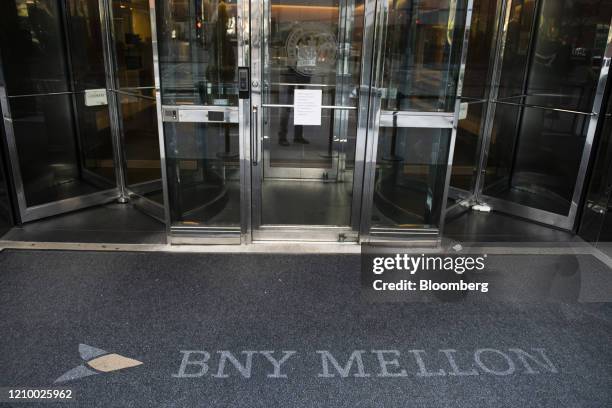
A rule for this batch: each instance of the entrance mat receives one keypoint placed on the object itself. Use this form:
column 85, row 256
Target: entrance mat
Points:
column 120, row 329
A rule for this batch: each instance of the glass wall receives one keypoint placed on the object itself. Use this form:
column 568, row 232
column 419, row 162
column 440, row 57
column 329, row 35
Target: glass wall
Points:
column 52, row 53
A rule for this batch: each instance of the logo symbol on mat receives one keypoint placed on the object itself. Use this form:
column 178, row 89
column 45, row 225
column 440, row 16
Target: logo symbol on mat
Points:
column 97, row 361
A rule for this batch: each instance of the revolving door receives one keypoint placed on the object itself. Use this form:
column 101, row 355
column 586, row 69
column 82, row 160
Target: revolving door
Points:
column 538, row 111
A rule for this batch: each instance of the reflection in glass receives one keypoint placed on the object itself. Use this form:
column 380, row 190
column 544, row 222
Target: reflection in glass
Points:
column 410, row 177
column 516, row 48
column 596, row 223
column 546, row 160
column 141, row 144
column 133, row 46
column 198, row 55
column 64, row 147
column 53, row 170
column 475, row 87
column 535, row 153
column 568, row 52
column 308, row 170
column 501, row 147
column 465, row 160
column 480, row 50
column 84, row 32
column 138, row 115
column 198, row 66
column 95, row 145
column 422, row 46
column 32, row 39
column 204, row 182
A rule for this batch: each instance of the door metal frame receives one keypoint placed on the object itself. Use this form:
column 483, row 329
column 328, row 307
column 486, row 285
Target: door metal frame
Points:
column 406, row 119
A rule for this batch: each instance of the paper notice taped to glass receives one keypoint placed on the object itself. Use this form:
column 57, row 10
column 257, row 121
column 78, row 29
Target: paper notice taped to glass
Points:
column 307, row 107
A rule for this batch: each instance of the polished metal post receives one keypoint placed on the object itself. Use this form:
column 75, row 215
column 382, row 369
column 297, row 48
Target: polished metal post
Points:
column 258, row 31
column 160, row 123
column 113, row 103
column 493, row 93
column 466, row 198
column 243, row 27
column 370, row 103
column 460, row 77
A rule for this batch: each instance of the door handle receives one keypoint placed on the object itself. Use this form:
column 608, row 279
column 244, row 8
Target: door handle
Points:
column 254, row 137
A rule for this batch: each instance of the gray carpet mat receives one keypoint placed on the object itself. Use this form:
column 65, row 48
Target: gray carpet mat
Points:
column 202, row 330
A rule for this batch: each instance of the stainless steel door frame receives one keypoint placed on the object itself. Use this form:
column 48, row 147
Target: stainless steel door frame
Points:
column 259, row 37
column 379, row 118
column 32, row 213
column 566, row 222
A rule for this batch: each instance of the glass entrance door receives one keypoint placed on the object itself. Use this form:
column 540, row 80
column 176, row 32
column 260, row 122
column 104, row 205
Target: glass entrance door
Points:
column 305, row 168
column 419, row 54
column 199, row 48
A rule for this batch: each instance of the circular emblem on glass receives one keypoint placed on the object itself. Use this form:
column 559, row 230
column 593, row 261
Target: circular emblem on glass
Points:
column 311, row 49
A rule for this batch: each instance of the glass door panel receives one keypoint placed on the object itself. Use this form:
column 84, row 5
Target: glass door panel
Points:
column 420, row 55
column 134, row 90
column 198, row 63
column 305, row 176
column 410, row 177
column 474, row 98
column 422, row 46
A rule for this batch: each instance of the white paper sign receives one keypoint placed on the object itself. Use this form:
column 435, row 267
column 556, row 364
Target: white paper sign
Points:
column 307, row 107
column 95, row 97
column 463, row 110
